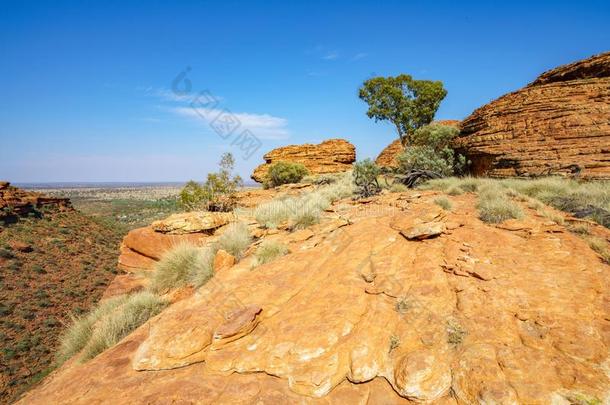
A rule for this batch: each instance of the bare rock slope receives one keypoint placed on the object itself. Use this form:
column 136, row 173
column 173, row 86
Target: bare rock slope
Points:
column 330, row 156
column 391, row 300
column 558, row 124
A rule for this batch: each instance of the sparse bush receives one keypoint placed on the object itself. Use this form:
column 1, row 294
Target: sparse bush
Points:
column 6, row 254
column 269, row 251
column 180, row 266
column 218, row 191
column 398, row 188
column 430, row 150
column 365, row 176
column 235, row 239
column 321, row 179
column 443, row 202
column 284, row 173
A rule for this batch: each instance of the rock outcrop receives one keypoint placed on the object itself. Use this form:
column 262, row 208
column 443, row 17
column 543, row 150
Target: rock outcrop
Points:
column 558, row 124
column 15, row 202
column 387, row 157
column 330, row 156
column 359, row 313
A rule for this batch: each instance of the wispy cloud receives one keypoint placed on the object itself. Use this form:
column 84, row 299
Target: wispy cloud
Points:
column 331, row 55
column 359, row 56
column 263, row 126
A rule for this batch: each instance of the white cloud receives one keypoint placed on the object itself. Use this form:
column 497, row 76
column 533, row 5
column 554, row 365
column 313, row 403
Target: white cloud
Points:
column 263, row 126
column 332, row 55
column 359, row 55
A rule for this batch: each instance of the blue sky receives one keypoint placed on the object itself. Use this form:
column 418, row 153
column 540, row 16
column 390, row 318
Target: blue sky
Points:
column 87, row 86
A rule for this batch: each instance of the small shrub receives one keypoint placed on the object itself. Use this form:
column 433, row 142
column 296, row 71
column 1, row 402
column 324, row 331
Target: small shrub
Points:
column 6, row 254
column 284, row 173
column 218, row 191
column 455, row 333
column 365, row 175
column 180, row 266
column 430, row 149
column 269, row 251
column 398, row 188
column 394, row 343
column 38, row 269
column 443, row 202
column 235, row 239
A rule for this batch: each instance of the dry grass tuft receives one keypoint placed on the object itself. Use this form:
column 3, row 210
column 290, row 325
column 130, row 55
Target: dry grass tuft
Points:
column 235, row 239
column 269, row 251
column 180, row 266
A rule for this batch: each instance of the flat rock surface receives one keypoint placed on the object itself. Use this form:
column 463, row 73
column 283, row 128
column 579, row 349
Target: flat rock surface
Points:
column 479, row 315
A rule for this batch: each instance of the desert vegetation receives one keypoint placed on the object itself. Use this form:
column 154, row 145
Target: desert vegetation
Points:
column 365, row 175
column 217, row 192
column 304, row 210
column 107, row 324
column 235, row 239
column 184, row 264
column 284, row 173
column 269, row 251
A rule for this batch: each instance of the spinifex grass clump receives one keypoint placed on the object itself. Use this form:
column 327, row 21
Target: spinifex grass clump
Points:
column 235, row 239
column 107, row 324
column 495, row 205
column 269, row 251
column 305, row 210
column 182, row 265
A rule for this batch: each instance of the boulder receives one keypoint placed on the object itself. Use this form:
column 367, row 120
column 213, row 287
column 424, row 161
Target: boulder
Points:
column 387, row 157
column 330, row 156
column 192, row 222
column 556, row 125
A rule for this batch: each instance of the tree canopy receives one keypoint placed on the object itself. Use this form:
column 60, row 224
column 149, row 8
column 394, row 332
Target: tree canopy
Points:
column 407, row 103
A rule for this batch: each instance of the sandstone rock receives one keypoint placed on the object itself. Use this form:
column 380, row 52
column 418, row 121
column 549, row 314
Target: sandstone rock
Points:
column 331, row 156
column 20, row 246
column 223, row 260
column 423, row 231
column 558, row 124
column 17, row 202
column 387, row 157
column 192, row 222
column 125, row 284
column 151, row 244
column 365, row 317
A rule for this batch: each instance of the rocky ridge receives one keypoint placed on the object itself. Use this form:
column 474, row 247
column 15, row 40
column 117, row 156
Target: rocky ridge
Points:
column 330, row 156
column 17, row 202
column 556, row 125
column 387, row 300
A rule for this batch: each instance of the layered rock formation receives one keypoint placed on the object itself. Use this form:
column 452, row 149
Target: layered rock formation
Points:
column 387, row 157
column 391, row 300
column 330, row 156
column 17, row 202
column 558, row 124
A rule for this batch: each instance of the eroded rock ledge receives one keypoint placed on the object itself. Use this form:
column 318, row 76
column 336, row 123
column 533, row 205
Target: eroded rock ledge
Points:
column 556, row 125
column 330, row 156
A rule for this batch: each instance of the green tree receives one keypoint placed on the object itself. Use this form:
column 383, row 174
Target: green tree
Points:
column 218, row 191
column 407, row 103
column 430, row 149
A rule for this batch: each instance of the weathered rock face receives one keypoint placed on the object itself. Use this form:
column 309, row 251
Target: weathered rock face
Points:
column 331, row 156
column 17, row 202
column 387, row 157
column 357, row 313
column 558, row 124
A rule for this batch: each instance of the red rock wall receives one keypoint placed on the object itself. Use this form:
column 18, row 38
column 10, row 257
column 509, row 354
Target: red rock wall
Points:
column 559, row 124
